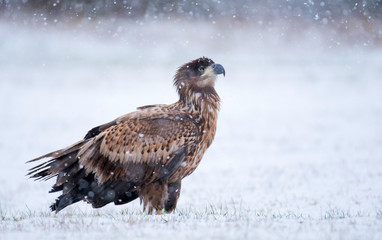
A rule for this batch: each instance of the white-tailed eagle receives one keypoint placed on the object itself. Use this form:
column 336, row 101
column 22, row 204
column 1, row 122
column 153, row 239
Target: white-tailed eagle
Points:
column 144, row 154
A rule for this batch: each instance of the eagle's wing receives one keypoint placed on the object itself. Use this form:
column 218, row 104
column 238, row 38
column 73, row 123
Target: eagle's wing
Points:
column 116, row 158
column 128, row 150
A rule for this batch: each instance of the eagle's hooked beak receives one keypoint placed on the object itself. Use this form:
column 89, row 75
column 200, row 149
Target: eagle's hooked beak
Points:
column 218, row 69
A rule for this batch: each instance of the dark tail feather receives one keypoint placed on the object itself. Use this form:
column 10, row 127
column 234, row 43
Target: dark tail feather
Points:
column 87, row 188
column 65, row 200
column 61, row 161
column 118, row 192
column 126, row 197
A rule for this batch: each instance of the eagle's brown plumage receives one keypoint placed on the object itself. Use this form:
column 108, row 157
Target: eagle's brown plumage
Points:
column 142, row 154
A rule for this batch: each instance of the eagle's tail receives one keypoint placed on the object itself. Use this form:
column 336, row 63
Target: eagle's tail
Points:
column 63, row 160
column 63, row 164
column 76, row 184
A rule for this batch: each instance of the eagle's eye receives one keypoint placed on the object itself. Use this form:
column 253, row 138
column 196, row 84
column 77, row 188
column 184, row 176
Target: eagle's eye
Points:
column 201, row 69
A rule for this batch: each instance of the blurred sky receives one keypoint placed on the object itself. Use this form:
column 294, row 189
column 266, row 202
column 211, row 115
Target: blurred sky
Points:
column 339, row 22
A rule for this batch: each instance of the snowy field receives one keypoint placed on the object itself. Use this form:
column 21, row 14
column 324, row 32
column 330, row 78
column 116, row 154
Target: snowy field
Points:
column 298, row 150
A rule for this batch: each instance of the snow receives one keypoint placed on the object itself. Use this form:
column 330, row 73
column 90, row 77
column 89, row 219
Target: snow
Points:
column 298, row 148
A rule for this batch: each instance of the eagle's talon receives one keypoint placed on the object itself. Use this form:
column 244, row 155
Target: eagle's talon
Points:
column 159, row 212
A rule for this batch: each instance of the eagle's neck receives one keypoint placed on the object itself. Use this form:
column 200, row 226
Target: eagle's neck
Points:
column 204, row 107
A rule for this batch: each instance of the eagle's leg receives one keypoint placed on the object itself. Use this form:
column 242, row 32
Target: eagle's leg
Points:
column 173, row 195
column 154, row 196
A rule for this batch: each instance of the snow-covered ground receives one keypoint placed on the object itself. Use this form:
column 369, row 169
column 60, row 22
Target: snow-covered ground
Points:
column 298, row 150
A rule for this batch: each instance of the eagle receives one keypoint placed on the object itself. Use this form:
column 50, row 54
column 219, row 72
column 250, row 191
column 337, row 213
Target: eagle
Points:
column 144, row 154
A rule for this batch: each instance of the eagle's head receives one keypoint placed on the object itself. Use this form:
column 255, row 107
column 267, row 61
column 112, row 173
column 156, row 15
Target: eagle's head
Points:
column 197, row 76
